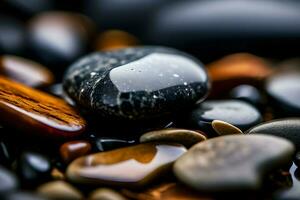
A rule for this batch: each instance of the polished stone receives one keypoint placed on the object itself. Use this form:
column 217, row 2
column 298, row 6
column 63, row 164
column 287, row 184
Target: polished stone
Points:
column 232, row 163
column 130, row 166
column 224, row 128
column 25, row 71
column 37, row 112
column 74, row 149
column 181, row 136
column 136, row 83
column 106, row 143
column 297, row 159
column 106, row 194
column 288, row 128
column 8, row 180
column 247, row 93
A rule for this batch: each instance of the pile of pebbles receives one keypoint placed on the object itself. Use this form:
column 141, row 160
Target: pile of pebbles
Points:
column 96, row 114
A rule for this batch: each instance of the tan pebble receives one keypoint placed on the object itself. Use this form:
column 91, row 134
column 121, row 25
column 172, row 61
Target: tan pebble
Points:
column 224, row 128
column 57, row 174
column 106, row 194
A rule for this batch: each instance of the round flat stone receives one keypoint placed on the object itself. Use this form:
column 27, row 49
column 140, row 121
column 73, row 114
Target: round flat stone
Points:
column 136, row 83
column 25, row 71
column 233, row 162
column 74, row 149
column 106, row 194
column 284, row 89
column 224, row 128
column 288, row 128
column 181, row 136
column 235, row 112
column 130, row 166
column 37, row 112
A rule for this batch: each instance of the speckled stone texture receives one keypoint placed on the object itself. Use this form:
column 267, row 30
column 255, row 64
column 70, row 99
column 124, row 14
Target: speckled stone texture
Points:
column 136, row 83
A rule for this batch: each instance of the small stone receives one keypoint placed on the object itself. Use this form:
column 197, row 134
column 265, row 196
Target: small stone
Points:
column 106, row 144
column 25, row 71
column 238, row 113
column 288, row 128
column 297, row 159
column 56, row 174
column 59, row 190
column 37, row 112
column 130, row 166
column 181, row 136
column 233, row 162
column 74, row 149
column 8, row 181
column 33, row 168
column 106, row 194
column 224, row 128
column 136, row 83
column 247, row 93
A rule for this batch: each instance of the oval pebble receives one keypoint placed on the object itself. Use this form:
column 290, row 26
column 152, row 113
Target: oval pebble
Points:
column 74, row 149
column 106, row 194
column 224, row 128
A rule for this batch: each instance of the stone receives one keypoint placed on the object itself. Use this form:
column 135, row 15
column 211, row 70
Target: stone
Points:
column 25, row 71
column 56, row 174
column 74, row 149
column 33, row 168
column 115, row 39
column 232, row 163
column 6, row 157
column 8, row 180
column 106, row 144
column 148, row 161
column 106, row 194
column 297, row 159
column 21, row 195
column 37, row 112
column 284, row 90
column 181, row 136
column 136, row 83
column 247, row 93
column 59, row 190
column 288, row 128
column 224, row 128
column 238, row 113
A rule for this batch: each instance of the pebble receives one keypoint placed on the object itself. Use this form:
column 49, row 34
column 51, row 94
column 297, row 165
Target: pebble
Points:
column 25, row 71
column 233, row 162
column 59, row 190
column 136, row 83
column 37, row 112
column 238, row 113
column 106, row 144
column 148, row 161
column 181, row 136
column 33, row 168
column 288, row 128
column 247, row 93
column 106, row 194
column 74, row 149
column 8, row 181
column 284, row 90
column 224, row 128
column 297, row 159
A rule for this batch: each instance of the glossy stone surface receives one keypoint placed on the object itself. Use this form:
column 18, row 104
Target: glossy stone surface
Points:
column 59, row 190
column 288, row 128
column 74, row 149
column 284, row 89
column 130, row 166
column 232, row 163
column 106, row 194
column 106, row 144
column 33, row 168
column 181, row 136
column 25, row 71
column 297, row 159
column 224, row 128
column 37, row 112
column 8, row 181
column 136, row 83
column 247, row 93
column 235, row 112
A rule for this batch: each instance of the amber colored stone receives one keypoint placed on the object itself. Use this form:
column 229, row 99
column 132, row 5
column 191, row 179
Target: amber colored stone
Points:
column 74, row 149
column 56, row 174
column 25, row 71
column 37, row 112
column 130, row 166
column 224, row 128
column 237, row 69
column 115, row 39
column 165, row 191
column 106, row 194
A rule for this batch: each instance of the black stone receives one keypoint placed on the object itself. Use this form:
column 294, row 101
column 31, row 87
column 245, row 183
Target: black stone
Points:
column 288, row 128
column 106, row 144
column 8, row 181
column 136, row 83
column 235, row 112
column 297, row 159
column 247, row 93
column 33, row 168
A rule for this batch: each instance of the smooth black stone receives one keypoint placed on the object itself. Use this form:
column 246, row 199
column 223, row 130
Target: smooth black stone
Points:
column 284, row 90
column 33, row 168
column 136, row 83
column 12, row 36
column 106, row 144
column 288, row 128
column 216, row 28
column 8, row 181
column 297, row 159
column 20, row 195
column 247, row 93
column 238, row 113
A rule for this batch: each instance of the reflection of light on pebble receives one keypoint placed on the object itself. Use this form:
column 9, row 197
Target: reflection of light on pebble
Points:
column 176, row 75
column 185, row 83
column 155, row 97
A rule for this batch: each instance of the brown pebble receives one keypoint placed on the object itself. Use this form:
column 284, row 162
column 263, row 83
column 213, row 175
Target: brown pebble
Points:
column 74, row 149
column 106, row 194
column 57, row 174
column 224, row 128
